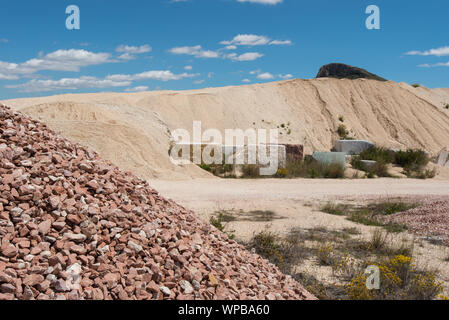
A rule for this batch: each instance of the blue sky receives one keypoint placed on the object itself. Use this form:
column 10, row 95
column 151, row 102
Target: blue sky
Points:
column 139, row 45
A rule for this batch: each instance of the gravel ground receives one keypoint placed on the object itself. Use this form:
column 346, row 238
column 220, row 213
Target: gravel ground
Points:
column 431, row 220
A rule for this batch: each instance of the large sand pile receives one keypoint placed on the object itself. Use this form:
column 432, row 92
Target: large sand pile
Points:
column 133, row 129
column 73, row 226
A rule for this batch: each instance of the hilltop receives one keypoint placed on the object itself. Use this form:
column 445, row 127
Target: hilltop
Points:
column 133, row 129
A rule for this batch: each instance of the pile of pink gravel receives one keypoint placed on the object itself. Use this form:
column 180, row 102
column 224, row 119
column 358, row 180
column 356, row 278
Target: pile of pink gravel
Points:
column 73, row 226
column 429, row 220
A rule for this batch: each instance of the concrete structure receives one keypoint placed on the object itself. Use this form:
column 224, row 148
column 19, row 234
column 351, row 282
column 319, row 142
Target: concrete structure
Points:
column 330, row 158
column 230, row 154
column 351, row 147
column 294, row 152
column 281, row 149
column 443, row 158
column 368, row 164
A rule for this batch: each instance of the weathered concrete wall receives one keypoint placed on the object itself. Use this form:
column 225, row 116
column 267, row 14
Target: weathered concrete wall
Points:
column 330, row 158
column 294, row 152
column 352, row 146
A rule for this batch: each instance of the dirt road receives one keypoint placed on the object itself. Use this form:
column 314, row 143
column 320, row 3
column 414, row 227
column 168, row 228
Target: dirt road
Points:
column 297, row 201
column 295, row 204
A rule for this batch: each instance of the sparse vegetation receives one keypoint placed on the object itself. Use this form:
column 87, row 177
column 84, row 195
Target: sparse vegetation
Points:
column 413, row 162
column 400, row 279
column 218, row 222
column 348, row 258
column 368, row 215
column 416, row 85
column 310, row 168
column 335, row 209
column 285, row 253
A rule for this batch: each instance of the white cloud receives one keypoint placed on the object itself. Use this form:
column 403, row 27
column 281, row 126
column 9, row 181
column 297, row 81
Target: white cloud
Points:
column 188, row 68
column 60, row 60
column 67, row 84
column 196, row 51
column 8, row 77
column 116, row 80
column 285, row 76
column 133, row 49
column 231, row 47
column 137, row 89
column 253, row 40
column 249, row 56
column 270, row 2
column 3, row 40
column 199, row 81
column 247, row 40
column 127, row 57
column 246, row 80
column 440, row 64
column 439, row 52
column 280, row 42
column 265, row 76
column 161, row 75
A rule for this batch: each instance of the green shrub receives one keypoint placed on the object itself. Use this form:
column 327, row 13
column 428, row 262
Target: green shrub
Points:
column 284, row 253
column 416, row 85
column 335, row 209
column 378, row 154
column 206, row 167
column 310, row 168
column 447, row 106
column 380, row 168
column 342, row 131
column 413, row 160
column 251, row 171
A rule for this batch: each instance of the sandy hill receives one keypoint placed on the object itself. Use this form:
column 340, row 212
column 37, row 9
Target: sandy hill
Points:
column 133, row 129
column 73, row 226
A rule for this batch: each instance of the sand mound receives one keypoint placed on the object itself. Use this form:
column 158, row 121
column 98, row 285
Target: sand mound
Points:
column 133, row 129
column 73, row 226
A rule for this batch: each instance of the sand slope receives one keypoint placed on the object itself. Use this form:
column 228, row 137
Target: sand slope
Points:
column 133, row 129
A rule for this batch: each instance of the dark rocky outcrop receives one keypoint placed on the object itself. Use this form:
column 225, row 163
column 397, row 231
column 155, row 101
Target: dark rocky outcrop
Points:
column 344, row 71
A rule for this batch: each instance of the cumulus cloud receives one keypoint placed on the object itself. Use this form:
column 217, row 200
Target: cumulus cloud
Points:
column 137, row 89
column 134, row 49
column 253, row 40
column 265, row 76
column 440, row 64
column 116, row 80
column 439, row 52
column 188, row 68
column 60, row 60
column 126, row 57
column 196, row 51
column 161, row 75
column 249, row 56
column 285, row 76
column 67, row 84
column 246, row 80
column 8, row 77
column 269, row 2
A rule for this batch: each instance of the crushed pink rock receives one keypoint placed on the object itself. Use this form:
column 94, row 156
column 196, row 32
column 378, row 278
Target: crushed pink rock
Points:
column 73, row 226
column 431, row 220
